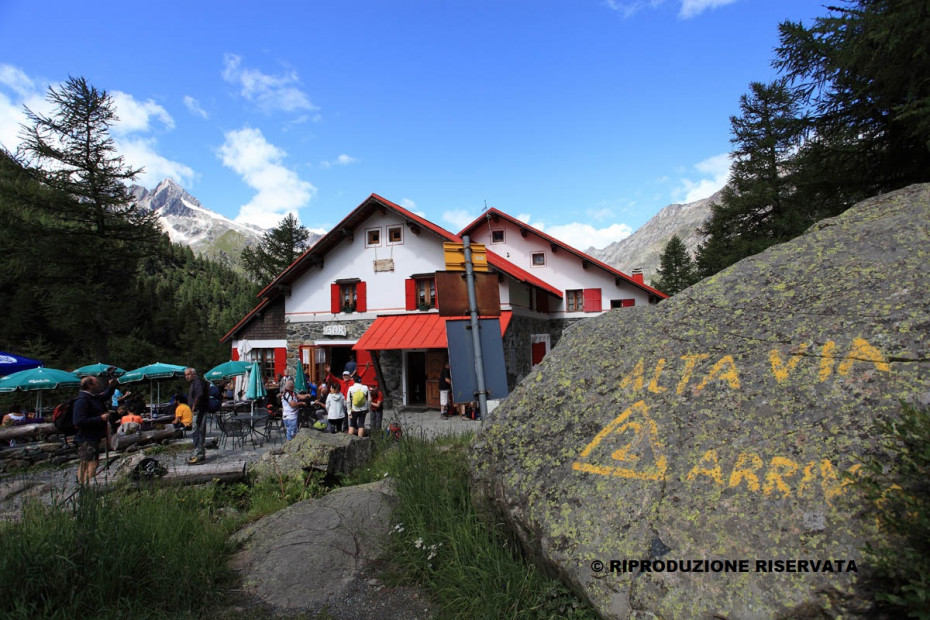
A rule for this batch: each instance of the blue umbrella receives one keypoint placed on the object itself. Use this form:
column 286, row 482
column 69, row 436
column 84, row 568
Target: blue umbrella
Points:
column 256, row 387
column 10, row 363
column 97, row 370
column 227, row 370
column 38, row 379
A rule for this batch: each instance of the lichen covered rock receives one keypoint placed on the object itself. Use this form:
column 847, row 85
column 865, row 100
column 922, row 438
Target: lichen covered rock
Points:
column 337, row 453
column 718, row 426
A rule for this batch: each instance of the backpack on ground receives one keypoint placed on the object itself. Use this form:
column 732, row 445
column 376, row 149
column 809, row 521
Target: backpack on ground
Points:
column 63, row 417
column 359, row 399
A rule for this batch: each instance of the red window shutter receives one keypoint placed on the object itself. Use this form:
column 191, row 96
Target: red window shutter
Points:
column 628, row 302
column 592, row 300
column 361, row 297
column 280, row 361
column 335, row 304
column 410, row 292
column 542, row 301
column 235, row 355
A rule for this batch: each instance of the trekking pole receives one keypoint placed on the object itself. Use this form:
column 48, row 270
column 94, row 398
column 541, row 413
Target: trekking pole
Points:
column 107, row 474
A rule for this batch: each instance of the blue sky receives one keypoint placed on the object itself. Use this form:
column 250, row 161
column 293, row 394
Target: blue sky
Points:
column 582, row 117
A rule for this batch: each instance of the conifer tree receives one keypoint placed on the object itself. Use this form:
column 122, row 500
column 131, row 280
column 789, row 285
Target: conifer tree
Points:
column 279, row 247
column 93, row 232
column 758, row 206
column 676, row 271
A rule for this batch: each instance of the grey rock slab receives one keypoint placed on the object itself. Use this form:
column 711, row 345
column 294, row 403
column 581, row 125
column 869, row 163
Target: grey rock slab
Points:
column 309, row 554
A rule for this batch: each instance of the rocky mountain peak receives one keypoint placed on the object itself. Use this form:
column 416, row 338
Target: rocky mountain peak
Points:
column 643, row 249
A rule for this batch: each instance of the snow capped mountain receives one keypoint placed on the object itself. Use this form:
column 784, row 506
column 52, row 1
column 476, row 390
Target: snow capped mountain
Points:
column 189, row 223
column 643, row 248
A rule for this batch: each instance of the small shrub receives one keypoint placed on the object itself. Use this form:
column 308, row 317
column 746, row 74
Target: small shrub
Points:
column 899, row 489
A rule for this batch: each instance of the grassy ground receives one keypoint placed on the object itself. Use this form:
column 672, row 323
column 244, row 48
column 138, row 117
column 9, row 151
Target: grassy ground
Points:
column 161, row 552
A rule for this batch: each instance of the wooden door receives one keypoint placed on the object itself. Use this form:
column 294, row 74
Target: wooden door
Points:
column 435, row 360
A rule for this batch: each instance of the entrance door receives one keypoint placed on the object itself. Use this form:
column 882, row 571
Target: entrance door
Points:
column 416, row 378
column 435, row 360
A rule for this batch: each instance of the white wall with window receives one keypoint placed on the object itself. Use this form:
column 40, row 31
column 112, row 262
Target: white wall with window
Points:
column 586, row 289
column 351, row 266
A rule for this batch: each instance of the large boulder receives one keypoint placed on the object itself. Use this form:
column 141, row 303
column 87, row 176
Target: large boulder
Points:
column 308, row 555
column 709, row 435
column 333, row 453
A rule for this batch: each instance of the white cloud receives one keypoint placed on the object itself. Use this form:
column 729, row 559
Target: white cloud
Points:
column 269, row 92
column 583, row 236
column 714, row 172
column 458, row 219
column 342, row 160
column 580, row 236
column 689, row 8
column 408, row 204
column 693, row 8
column 279, row 190
column 16, row 90
column 136, row 119
column 628, row 8
column 140, row 152
column 135, row 116
column 193, row 106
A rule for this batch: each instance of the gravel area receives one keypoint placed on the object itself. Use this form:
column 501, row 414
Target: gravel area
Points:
column 369, row 597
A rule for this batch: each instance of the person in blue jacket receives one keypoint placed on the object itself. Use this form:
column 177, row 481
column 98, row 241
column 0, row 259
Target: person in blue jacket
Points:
column 90, row 419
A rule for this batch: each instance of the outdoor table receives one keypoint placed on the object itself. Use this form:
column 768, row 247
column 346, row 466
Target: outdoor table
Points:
column 255, row 422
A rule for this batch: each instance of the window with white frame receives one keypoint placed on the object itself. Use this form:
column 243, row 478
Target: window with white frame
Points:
column 574, row 300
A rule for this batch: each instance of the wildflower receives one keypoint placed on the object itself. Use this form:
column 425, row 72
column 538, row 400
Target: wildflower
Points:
column 418, row 543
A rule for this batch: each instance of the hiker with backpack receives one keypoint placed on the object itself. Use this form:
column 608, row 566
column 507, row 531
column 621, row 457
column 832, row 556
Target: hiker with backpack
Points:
column 358, row 408
column 198, row 397
column 89, row 414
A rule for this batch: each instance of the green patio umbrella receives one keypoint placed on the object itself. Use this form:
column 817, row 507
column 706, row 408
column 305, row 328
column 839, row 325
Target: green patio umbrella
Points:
column 300, row 383
column 227, row 370
column 97, row 370
column 38, row 379
column 256, row 387
column 152, row 372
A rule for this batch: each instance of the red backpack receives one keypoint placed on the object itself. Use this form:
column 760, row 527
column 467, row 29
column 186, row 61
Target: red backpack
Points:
column 63, row 417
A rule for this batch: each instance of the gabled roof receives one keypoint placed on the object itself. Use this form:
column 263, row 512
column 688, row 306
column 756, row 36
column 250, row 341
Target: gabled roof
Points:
column 361, row 213
column 261, row 306
column 493, row 212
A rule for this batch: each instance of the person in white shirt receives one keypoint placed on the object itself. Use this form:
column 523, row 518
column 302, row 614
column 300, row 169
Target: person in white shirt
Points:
column 290, row 408
column 335, row 409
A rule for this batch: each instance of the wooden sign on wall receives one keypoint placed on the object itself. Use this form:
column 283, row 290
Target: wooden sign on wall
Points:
column 452, row 293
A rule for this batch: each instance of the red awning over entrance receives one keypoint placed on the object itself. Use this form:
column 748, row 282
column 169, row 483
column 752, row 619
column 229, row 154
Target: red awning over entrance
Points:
column 411, row 331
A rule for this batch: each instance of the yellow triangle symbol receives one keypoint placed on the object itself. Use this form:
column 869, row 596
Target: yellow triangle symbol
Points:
column 640, row 456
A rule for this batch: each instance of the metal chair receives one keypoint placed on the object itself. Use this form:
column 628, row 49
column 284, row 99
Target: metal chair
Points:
column 238, row 430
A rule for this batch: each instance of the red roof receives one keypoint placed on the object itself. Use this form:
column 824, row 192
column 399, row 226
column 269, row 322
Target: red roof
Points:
column 297, row 268
column 246, row 319
column 411, row 331
column 552, row 240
